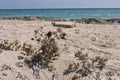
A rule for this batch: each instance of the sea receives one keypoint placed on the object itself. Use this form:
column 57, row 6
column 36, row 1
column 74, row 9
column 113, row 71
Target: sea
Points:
column 75, row 13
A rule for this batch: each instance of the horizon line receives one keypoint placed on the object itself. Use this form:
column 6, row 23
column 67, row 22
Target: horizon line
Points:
column 51, row 8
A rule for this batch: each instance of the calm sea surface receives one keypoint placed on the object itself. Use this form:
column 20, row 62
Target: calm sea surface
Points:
column 64, row 13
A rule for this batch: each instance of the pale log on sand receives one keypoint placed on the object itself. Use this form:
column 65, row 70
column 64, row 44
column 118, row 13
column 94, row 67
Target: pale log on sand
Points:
column 64, row 24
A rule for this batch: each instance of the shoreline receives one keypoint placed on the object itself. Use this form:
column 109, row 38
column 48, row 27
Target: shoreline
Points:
column 81, row 20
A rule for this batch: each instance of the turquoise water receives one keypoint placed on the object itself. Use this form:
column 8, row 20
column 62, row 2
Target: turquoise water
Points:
column 63, row 13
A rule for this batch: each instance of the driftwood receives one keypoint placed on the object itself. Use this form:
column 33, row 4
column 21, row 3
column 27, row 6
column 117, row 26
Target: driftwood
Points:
column 64, row 24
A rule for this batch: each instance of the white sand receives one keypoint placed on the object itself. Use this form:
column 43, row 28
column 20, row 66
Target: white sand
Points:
column 90, row 37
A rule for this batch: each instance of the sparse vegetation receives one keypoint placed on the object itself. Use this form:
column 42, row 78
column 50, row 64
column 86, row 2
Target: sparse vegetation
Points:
column 39, row 35
column 71, row 68
column 8, row 45
column 86, row 65
column 27, row 49
column 100, row 62
column 81, row 56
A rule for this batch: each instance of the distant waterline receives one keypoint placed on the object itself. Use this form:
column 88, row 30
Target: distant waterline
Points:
column 104, row 13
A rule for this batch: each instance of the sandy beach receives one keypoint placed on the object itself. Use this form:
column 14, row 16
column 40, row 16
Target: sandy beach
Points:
column 91, row 40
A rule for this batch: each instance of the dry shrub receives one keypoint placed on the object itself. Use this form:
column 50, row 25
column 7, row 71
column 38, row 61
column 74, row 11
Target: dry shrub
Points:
column 46, row 54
